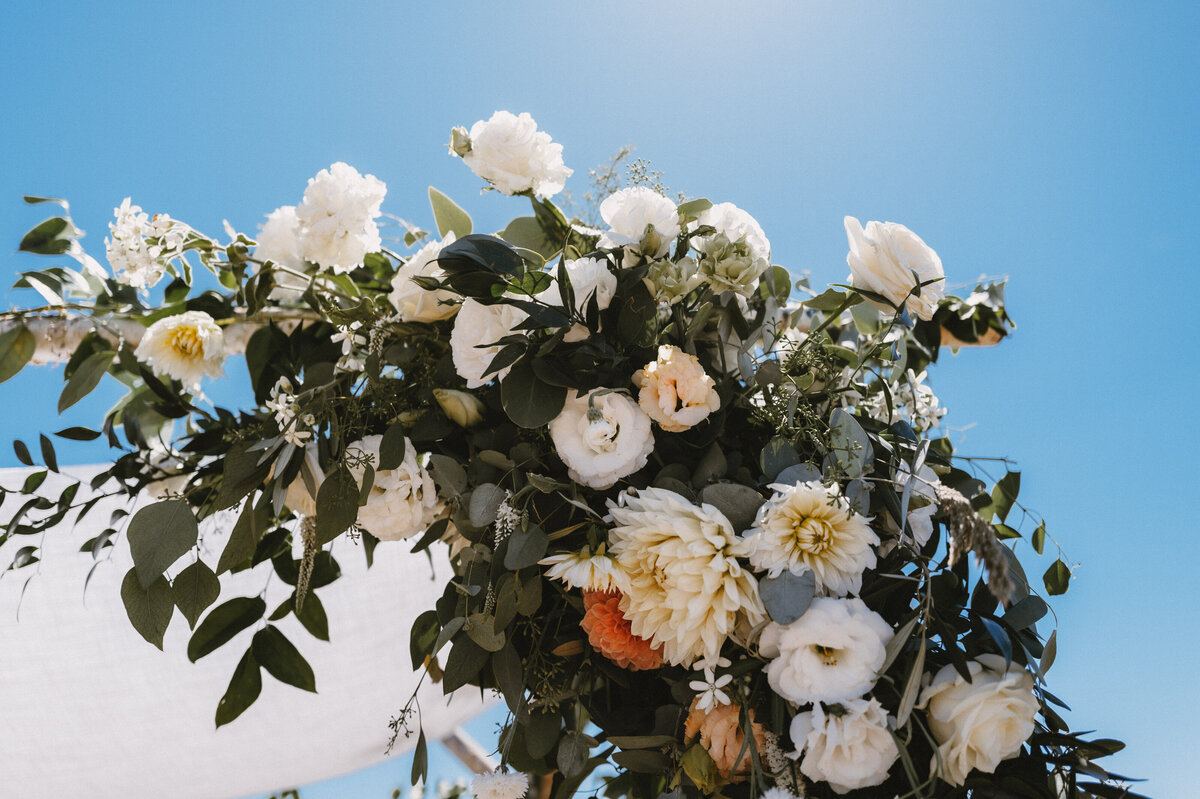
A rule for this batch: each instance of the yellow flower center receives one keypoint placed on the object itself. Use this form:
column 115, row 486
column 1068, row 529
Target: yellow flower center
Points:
column 185, row 340
column 827, row 654
column 812, row 534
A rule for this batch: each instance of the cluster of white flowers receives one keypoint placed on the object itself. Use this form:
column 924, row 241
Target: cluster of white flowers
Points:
column 336, row 218
column 352, row 341
column 912, row 400
column 602, row 437
column 510, row 153
column 187, row 347
column 890, row 260
column 279, row 242
column 402, row 501
column 141, row 246
column 296, row 428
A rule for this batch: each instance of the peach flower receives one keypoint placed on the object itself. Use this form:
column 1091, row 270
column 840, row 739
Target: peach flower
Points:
column 720, row 731
column 609, row 633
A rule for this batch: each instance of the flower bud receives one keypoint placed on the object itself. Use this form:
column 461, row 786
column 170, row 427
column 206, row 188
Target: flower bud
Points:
column 463, row 408
column 460, row 141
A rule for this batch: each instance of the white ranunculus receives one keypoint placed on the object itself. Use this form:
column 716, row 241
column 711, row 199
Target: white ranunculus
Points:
column 513, row 155
column 403, row 501
column 186, row 346
column 640, row 219
column 415, row 304
column 810, row 528
column 477, row 328
column 337, row 218
column 602, row 437
column 832, row 653
column 850, row 749
column 883, row 258
column 979, row 723
column 686, row 589
column 675, row 390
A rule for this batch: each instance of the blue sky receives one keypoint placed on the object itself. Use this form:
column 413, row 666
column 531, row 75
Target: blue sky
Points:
column 1053, row 143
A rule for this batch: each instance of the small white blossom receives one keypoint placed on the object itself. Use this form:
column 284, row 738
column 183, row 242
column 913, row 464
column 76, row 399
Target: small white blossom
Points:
column 912, row 400
column 141, row 246
column 710, row 694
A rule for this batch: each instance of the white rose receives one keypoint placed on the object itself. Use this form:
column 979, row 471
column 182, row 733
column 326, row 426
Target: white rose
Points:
column 602, row 437
column 514, row 156
column 884, row 257
column 415, row 304
column 403, row 501
column 186, row 346
column 589, row 277
column 849, row 749
column 675, row 391
column 337, row 218
column 981, row 722
column 472, row 342
column 640, row 219
column 830, row 654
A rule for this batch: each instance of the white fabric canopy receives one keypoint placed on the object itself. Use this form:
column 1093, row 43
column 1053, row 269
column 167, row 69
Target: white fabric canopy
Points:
column 88, row 708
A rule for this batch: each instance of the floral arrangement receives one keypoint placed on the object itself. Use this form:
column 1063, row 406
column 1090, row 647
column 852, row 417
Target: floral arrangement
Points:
column 705, row 537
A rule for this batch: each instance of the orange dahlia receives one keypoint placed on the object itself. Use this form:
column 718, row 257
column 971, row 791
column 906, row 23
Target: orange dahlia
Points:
column 720, row 732
column 609, row 633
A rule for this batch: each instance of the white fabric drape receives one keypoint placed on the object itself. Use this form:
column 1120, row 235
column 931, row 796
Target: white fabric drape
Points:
column 88, row 708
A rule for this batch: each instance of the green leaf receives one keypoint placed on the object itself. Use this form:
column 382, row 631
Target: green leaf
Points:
column 1039, row 538
column 526, row 232
column 572, row 754
column 739, row 503
column 48, row 453
column 392, row 448
column 481, row 628
column 506, row 665
column 312, row 616
column 1005, row 494
column 485, row 502
column 542, row 731
column 422, row 638
column 241, row 473
column 526, row 546
column 85, row 378
column 1049, row 652
column 420, row 764
column 448, row 216
column 527, row 399
column 1057, row 578
column 698, row 764
column 159, row 535
column 223, row 623
column 78, row 434
column 1026, row 613
column 787, row 596
column 22, row 452
column 830, row 300
column 51, row 237
column 247, row 532
column 463, row 664
column 275, row 653
column 149, row 609
column 16, row 348
column 693, row 208
column 337, row 504
column 776, row 456
column 911, row 687
column 851, row 446
column 194, row 589
column 244, row 688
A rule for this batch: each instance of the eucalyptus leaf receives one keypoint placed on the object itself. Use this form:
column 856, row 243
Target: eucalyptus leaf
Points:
column 506, row 665
column 392, row 448
column 799, row 473
column 776, row 456
column 527, row 399
column 739, row 503
column 526, row 546
column 16, row 348
column 485, row 502
column 851, row 446
column 244, row 687
column 448, row 216
column 787, row 596
column 1026, row 613
column 337, row 504
column 1057, row 578
column 912, row 687
column 481, row 628
column 85, row 378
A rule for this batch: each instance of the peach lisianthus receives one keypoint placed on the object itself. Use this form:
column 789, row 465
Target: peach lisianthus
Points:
column 610, row 634
column 720, row 733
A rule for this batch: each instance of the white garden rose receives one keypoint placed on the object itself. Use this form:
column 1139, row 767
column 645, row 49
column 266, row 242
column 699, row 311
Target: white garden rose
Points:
column 640, row 219
column 337, row 218
column 187, row 346
column 513, row 155
column 884, row 257
column 602, row 437
column 675, row 391
column 979, row 723
column 279, row 241
column 403, row 501
column 477, row 328
column 415, row 304
column 832, row 653
column 686, row 589
column 850, row 749
column 810, row 528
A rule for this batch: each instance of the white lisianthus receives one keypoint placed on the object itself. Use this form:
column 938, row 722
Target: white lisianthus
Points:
column 850, row 748
column 670, row 281
column 735, row 225
column 602, row 437
column 279, row 241
column 187, row 346
column 585, row 570
column 884, row 257
column 640, row 219
column 415, row 304
column 403, row 501
column 830, row 654
column 472, row 342
column 675, row 391
column 141, row 246
column 687, row 590
column 979, row 723
column 513, row 155
column 810, row 528
column 337, row 218
column 499, row 785
column 737, row 254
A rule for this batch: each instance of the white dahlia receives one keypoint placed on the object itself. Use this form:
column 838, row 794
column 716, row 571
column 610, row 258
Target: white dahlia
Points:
column 602, row 437
column 186, row 346
column 477, row 328
column 415, row 304
column 585, row 571
column 810, row 528
column 850, row 749
column 337, row 218
column 499, row 785
column 512, row 154
column 687, row 591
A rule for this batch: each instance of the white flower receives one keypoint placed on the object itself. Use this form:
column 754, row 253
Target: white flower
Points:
column 514, row 156
column 337, row 218
column 687, row 590
column 810, row 528
column 675, row 391
column 737, row 254
column 640, row 219
column 477, row 328
column 402, row 501
column 883, row 259
column 981, row 722
column 920, row 519
column 737, row 226
column 830, row 654
column 498, row 785
column 670, row 281
column 589, row 277
column 711, row 696
column 415, row 304
column 849, row 749
column 186, row 346
column 911, row 400
column 585, row 571
column 463, row 407
column 140, row 246
column 601, row 437
column 778, row 793
column 279, row 241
